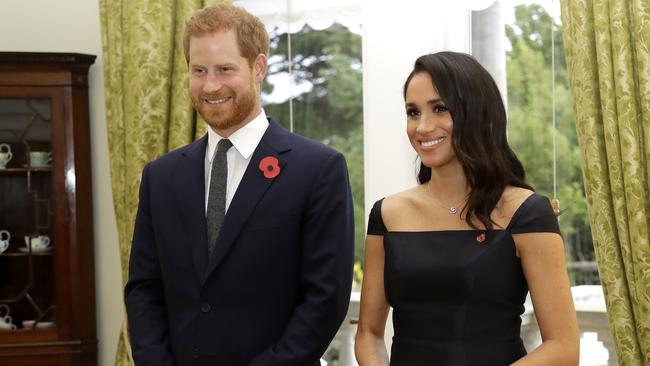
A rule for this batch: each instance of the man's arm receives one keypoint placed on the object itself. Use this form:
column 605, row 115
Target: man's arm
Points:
column 144, row 293
column 326, row 277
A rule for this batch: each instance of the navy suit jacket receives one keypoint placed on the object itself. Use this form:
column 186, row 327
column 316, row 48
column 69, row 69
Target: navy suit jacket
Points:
column 277, row 286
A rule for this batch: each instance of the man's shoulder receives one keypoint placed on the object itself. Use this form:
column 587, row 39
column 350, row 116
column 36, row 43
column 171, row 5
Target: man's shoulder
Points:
column 196, row 148
column 297, row 142
column 305, row 145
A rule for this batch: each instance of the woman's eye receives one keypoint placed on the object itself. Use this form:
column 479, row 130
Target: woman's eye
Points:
column 440, row 108
column 412, row 112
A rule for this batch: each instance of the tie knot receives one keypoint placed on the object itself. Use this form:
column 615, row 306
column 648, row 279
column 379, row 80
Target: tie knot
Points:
column 223, row 145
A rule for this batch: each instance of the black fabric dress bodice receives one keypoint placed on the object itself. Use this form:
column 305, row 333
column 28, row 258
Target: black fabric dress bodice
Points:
column 457, row 296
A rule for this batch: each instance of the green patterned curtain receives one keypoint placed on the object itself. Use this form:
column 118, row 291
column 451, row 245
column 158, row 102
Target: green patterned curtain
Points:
column 148, row 109
column 608, row 56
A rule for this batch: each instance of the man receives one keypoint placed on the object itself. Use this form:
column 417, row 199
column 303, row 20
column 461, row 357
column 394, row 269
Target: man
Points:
column 243, row 243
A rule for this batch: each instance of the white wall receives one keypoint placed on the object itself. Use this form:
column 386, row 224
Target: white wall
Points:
column 394, row 36
column 73, row 26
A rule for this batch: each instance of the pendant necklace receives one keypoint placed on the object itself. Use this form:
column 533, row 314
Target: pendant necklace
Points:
column 453, row 209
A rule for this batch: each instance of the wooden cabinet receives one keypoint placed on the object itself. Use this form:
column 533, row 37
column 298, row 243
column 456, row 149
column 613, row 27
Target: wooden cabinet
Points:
column 47, row 292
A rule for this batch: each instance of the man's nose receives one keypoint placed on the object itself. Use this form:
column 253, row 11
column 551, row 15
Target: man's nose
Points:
column 212, row 83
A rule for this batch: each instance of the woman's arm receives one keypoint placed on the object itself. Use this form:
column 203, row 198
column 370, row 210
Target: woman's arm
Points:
column 369, row 346
column 542, row 259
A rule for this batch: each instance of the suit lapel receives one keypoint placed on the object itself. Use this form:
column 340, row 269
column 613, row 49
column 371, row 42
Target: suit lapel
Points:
column 189, row 181
column 251, row 189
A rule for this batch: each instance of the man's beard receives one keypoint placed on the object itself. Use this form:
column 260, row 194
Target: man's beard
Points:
column 242, row 106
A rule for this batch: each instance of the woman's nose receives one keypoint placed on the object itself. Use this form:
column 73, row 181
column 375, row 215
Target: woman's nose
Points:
column 426, row 125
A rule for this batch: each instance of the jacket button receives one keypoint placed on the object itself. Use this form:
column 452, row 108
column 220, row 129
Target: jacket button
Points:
column 205, row 307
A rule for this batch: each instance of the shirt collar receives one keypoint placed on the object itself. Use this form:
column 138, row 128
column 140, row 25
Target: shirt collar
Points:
column 245, row 139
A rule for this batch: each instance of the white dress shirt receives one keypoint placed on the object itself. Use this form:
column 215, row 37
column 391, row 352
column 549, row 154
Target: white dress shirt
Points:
column 244, row 142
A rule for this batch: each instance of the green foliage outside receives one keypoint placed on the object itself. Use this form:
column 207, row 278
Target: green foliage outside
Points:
column 332, row 112
column 530, row 113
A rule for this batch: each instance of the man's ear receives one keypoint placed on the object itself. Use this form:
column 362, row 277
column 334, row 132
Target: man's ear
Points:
column 260, row 66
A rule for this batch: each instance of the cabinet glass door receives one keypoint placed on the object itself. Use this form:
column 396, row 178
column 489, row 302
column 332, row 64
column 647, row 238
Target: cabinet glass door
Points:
column 27, row 236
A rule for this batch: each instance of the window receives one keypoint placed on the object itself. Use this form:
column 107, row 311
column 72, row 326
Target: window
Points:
column 314, row 83
column 533, row 102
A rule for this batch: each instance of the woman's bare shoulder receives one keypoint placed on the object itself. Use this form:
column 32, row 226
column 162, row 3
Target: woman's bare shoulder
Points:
column 512, row 198
column 397, row 203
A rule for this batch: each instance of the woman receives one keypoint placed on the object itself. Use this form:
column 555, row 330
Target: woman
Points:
column 456, row 255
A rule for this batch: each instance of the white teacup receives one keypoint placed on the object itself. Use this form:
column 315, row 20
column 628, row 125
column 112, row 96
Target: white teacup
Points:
column 5, row 155
column 6, row 324
column 5, row 318
column 32, row 324
column 40, row 158
column 38, row 242
column 4, row 240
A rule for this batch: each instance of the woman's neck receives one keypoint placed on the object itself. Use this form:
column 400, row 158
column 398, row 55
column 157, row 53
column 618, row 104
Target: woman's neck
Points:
column 448, row 184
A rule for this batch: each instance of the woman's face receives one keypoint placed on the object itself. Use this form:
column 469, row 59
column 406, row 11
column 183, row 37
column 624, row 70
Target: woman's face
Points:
column 429, row 123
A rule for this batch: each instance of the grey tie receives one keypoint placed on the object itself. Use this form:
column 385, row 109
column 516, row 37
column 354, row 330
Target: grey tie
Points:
column 217, row 193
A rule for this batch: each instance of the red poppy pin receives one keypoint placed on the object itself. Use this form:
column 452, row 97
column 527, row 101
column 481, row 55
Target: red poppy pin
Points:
column 480, row 238
column 270, row 167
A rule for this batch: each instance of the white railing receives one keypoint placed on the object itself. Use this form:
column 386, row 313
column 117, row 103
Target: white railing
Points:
column 590, row 307
column 592, row 318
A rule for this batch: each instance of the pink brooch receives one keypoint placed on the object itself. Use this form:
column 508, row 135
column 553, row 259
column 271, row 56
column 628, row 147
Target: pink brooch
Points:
column 480, row 238
column 270, row 167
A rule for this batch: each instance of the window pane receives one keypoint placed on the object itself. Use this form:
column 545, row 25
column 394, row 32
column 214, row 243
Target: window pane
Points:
column 326, row 86
column 530, row 109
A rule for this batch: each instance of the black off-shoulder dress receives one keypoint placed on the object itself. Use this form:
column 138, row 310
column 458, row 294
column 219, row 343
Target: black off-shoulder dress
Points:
column 457, row 295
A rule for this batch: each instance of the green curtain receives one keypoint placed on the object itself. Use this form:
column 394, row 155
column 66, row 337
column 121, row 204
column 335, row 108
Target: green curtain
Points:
column 608, row 57
column 148, row 109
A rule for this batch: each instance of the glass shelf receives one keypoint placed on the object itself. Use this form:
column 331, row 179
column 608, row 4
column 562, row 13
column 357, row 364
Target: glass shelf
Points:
column 28, row 289
column 23, row 170
column 21, row 254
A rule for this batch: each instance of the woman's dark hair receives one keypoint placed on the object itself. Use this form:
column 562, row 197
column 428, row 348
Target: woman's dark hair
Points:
column 479, row 131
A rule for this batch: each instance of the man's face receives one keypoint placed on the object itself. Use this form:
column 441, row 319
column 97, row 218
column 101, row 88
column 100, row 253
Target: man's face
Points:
column 223, row 87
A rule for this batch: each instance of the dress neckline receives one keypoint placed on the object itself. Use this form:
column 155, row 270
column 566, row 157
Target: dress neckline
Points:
column 515, row 216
